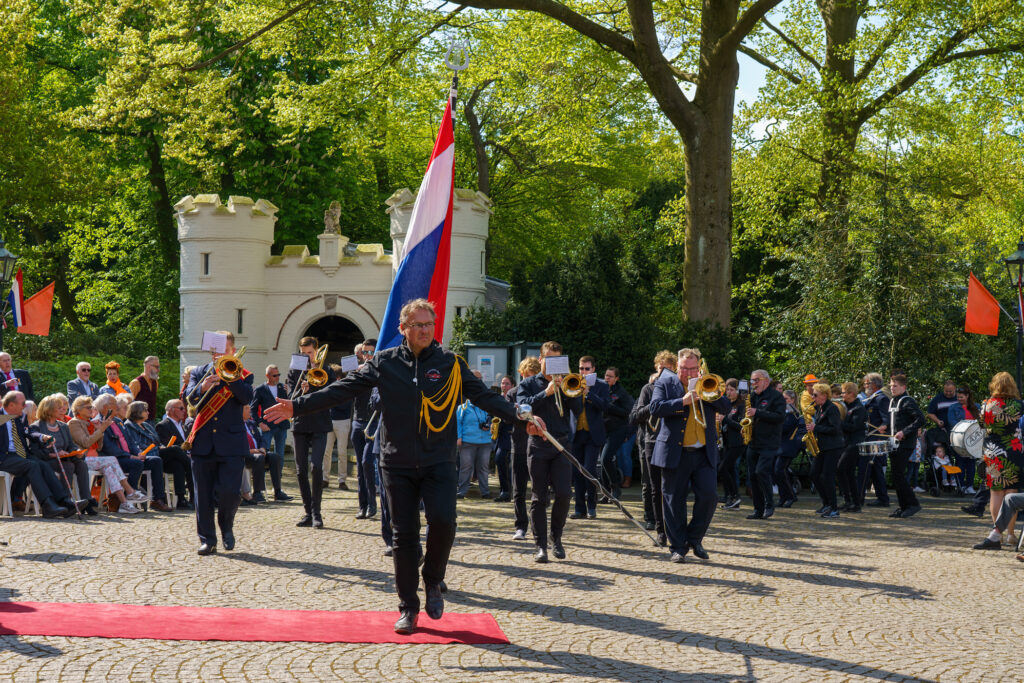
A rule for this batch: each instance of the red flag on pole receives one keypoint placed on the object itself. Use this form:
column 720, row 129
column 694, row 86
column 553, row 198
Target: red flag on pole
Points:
column 982, row 309
column 37, row 312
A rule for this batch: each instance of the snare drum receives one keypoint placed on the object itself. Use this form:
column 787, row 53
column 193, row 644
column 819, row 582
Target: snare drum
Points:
column 967, row 438
column 868, row 449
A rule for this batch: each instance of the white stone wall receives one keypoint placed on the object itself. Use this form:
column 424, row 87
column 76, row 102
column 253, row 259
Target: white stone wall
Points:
column 282, row 295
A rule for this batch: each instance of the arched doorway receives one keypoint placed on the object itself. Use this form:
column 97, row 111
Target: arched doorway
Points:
column 339, row 333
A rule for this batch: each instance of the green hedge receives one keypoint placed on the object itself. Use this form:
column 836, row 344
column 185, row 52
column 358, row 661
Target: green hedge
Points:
column 52, row 376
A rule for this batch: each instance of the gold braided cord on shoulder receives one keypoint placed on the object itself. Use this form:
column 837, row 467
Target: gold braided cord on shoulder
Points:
column 448, row 398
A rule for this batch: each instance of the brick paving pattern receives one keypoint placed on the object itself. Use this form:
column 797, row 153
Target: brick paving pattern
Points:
column 795, row 598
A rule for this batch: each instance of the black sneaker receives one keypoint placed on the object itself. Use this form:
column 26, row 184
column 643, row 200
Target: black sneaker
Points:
column 281, row 495
column 877, row 504
column 733, row 504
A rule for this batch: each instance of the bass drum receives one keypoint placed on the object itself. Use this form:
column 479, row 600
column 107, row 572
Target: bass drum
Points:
column 967, row 438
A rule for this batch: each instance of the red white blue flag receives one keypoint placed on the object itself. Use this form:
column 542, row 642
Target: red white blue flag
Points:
column 426, row 252
column 16, row 301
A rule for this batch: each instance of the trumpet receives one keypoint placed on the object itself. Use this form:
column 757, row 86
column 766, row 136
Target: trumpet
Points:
column 316, row 376
column 228, row 368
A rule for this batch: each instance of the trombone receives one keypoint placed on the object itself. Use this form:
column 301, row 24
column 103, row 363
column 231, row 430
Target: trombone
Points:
column 710, row 388
column 228, row 368
column 572, row 385
column 316, row 376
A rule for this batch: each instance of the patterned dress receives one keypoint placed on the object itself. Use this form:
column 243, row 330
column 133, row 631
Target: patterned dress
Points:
column 1004, row 453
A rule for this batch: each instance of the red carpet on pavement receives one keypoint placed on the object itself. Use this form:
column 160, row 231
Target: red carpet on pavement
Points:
column 224, row 623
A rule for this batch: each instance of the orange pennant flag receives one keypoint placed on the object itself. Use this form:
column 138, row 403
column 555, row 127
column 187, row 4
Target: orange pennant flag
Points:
column 982, row 309
column 37, row 312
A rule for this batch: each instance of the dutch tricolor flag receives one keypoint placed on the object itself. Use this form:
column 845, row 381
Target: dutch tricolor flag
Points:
column 426, row 253
column 16, row 301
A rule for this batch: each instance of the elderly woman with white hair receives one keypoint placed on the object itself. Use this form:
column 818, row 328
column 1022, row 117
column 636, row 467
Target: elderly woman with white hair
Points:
column 56, row 435
column 87, row 433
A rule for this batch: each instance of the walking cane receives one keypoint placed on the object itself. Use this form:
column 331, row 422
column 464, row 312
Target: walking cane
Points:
column 526, row 412
column 60, row 466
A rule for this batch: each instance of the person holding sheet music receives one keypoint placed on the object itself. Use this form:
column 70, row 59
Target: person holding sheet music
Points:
column 309, row 434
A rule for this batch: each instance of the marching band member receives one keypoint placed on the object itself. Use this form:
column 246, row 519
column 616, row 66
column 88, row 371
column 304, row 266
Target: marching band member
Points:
column 732, row 443
column 420, row 384
column 767, row 409
column 548, row 469
column 218, row 448
column 905, row 418
column 687, row 453
column 647, row 433
column 827, row 427
column 589, row 439
column 309, row 435
column 807, row 396
column 854, row 430
column 529, row 367
column 877, row 406
column 793, row 430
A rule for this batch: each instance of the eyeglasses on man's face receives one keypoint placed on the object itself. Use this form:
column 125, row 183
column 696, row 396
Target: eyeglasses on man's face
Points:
column 420, row 326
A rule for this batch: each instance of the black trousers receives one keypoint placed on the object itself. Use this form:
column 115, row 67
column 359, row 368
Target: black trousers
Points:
column 586, row 493
column 502, row 462
column 520, row 477
column 873, row 468
column 823, row 474
column 218, row 486
column 178, row 465
column 727, row 470
column 899, row 459
column 547, row 468
column 646, row 489
column 608, row 462
column 694, row 472
column 309, row 453
column 760, row 466
column 366, row 466
column 849, row 483
column 780, row 475
column 36, row 473
column 405, row 487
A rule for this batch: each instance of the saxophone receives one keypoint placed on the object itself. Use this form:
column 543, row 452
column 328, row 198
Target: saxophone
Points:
column 811, row 442
column 747, row 425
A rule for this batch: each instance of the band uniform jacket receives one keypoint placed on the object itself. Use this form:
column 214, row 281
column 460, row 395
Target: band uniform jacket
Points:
column 828, row 427
column 770, row 411
column 667, row 403
column 315, row 422
column 224, row 434
column 905, row 416
column 77, row 387
column 263, row 399
column 403, row 379
column 640, row 417
column 732, row 430
column 854, row 426
column 620, row 403
column 595, row 402
column 531, row 392
column 877, row 407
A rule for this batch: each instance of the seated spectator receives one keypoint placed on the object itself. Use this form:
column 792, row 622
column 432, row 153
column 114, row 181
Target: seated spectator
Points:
column 1012, row 504
column 117, row 444
column 185, row 375
column 15, row 379
column 940, row 461
column 59, row 446
column 83, row 384
column 65, row 407
column 255, row 463
column 87, row 432
column 14, row 458
column 113, row 385
column 142, row 434
column 29, row 416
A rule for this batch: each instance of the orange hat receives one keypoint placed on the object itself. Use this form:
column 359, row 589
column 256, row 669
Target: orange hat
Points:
column 810, row 378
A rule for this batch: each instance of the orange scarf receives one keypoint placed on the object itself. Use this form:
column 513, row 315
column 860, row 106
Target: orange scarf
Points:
column 117, row 387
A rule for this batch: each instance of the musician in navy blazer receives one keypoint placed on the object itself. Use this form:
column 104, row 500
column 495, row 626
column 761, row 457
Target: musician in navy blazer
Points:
column 218, row 452
column 684, row 466
column 588, row 440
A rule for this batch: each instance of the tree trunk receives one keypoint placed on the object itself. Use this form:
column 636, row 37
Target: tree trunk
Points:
column 839, row 112
column 163, row 211
column 60, row 278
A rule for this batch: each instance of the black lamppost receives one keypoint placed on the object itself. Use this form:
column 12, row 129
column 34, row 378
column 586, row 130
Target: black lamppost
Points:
column 7, row 263
column 1015, row 269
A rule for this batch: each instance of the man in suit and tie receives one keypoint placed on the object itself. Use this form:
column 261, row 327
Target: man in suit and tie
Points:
column 173, row 426
column 83, row 384
column 686, row 450
column 264, row 397
column 218, row 448
column 15, row 379
column 589, row 438
column 15, row 442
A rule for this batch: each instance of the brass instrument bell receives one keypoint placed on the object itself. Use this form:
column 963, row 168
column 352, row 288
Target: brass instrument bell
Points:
column 316, row 376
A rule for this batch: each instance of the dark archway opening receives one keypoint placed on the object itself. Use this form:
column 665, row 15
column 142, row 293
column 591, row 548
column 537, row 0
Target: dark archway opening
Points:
column 340, row 334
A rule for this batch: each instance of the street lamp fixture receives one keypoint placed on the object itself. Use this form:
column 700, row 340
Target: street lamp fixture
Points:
column 1015, row 270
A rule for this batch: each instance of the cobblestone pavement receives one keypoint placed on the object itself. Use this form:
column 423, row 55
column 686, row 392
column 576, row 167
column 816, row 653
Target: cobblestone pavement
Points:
column 794, row 598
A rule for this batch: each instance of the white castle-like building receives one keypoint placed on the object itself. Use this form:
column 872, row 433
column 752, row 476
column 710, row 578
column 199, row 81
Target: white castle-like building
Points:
column 231, row 281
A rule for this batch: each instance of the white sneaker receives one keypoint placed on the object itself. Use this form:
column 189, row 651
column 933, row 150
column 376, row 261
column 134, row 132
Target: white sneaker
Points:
column 137, row 496
column 918, row 489
column 970, row 491
column 520, row 535
column 128, row 509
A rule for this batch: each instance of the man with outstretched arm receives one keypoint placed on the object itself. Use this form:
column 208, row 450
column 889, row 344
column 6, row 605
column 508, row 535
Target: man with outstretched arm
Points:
column 420, row 384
